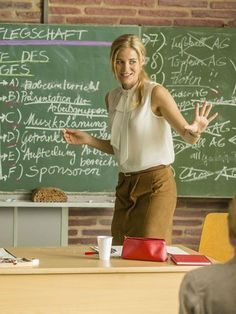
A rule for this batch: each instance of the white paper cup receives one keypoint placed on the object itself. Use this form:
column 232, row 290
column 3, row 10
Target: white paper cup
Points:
column 104, row 247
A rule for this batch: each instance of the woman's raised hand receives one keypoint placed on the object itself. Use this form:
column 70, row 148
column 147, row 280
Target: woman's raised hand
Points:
column 201, row 119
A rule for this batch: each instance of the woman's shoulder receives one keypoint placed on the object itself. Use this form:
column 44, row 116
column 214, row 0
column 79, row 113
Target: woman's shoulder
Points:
column 156, row 90
column 152, row 85
column 159, row 90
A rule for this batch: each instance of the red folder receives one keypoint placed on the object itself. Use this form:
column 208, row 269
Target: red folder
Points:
column 190, row 259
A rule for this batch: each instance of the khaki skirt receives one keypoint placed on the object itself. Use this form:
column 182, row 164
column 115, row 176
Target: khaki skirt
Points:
column 145, row 204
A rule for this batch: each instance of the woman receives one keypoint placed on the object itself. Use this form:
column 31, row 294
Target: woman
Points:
column 141, row 114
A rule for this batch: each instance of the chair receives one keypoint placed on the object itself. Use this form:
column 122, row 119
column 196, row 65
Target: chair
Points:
column 214, row 240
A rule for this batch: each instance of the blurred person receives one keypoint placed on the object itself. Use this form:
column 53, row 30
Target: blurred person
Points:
column 211, row 289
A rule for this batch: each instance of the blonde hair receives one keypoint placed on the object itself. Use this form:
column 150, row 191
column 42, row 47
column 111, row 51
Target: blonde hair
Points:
column 135, row 43
column 232, row 220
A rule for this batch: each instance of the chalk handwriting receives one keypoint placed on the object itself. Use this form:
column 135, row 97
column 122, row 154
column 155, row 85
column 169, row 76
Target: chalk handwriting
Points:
column 189, row 174
column 49, row 33
column 35, row 108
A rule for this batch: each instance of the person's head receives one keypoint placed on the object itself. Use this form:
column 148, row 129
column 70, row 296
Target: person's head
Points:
column 127, row 57
column 232, row 221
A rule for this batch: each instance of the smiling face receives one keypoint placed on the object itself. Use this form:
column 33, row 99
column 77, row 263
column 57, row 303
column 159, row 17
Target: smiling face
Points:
column 128, row 67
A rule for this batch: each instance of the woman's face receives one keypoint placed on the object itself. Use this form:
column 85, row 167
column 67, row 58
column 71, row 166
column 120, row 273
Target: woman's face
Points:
column 128, row 67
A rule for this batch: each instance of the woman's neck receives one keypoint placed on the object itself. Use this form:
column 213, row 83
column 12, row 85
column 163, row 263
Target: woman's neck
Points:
column 129, row 87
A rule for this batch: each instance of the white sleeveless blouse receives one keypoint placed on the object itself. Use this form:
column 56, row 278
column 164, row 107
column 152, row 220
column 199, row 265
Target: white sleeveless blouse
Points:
column 140, row 139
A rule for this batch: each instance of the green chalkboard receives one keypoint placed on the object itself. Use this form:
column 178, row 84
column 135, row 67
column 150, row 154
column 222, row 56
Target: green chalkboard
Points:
column 198, row 64
column 54, row 77
column 57, row 76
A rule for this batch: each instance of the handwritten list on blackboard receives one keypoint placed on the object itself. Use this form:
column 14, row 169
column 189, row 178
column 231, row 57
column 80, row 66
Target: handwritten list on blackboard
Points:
column 198, row 65
column 54, row 77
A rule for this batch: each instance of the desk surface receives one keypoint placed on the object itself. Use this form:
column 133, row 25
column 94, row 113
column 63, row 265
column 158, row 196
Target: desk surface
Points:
column 67, row 281
column 71, row 260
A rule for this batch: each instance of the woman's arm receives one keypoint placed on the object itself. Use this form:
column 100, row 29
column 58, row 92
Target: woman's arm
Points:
column 164, row 105
column 80, row 137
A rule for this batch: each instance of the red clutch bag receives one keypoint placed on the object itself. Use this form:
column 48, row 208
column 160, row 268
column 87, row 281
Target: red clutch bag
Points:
column 146, row 249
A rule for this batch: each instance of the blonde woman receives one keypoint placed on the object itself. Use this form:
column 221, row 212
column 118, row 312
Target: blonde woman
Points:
column 141, row 114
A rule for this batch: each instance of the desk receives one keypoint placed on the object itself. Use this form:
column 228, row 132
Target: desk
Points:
column 67, row 281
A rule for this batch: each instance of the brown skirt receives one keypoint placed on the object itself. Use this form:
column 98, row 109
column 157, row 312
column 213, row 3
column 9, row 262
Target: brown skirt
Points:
column 145, row 204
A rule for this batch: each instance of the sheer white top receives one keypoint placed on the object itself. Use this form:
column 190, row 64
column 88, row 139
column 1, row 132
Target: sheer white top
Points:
column 140, row 139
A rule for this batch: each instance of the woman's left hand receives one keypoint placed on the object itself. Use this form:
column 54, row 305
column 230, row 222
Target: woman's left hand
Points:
column 201, row 119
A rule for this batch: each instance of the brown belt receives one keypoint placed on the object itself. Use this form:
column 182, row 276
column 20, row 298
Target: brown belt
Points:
column 128, row 174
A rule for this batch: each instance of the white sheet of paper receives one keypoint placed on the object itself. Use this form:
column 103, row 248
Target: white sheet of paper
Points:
column 175, row 250
column 5, row 254
column 118, row 250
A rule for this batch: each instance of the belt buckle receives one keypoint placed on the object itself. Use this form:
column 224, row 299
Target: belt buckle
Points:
column 127, row 174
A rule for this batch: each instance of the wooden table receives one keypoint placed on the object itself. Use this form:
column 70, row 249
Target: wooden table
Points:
column 68, row 281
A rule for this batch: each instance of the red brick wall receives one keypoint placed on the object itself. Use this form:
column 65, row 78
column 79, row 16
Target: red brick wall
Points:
column 213, row 13
column 86, row 223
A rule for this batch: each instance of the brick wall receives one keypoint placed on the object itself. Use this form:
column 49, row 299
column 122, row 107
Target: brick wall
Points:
column 86, row 223
column 213, row 13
